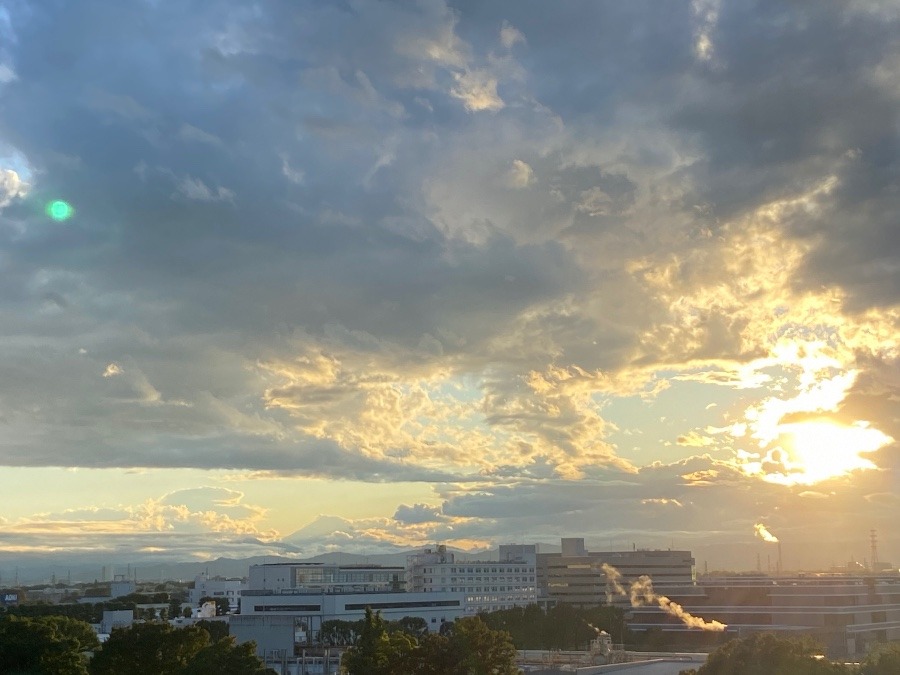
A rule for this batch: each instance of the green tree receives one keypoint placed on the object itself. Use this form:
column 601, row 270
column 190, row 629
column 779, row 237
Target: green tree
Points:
column 378, row 652
column 174, row 607
column 149, row 649
column 768, row 654
column 411, row 625
column 217, row 630
column 224, row 656
column 160, row 649
column 566, row 628
column 50, row 645
column 433, row 656
column 562, row 627
column 884, row 660
column 480, row 650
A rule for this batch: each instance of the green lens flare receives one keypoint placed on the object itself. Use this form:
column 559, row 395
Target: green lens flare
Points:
column 60, row 210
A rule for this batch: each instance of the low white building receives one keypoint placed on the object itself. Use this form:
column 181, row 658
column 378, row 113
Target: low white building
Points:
column 488, row 585
column 217, row 587
column 286, row 621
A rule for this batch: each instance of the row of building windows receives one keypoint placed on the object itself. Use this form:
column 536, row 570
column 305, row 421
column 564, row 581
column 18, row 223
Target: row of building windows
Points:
column 480, row 570
column 495, row 589
column 482, row 599
column 509, row 580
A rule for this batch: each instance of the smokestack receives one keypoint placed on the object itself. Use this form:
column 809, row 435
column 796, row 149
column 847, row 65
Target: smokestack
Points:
column 779, row 558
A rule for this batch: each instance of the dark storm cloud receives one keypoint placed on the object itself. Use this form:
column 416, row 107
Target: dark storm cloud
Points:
column 800, row 97
column 345, row 172
column 418, row 513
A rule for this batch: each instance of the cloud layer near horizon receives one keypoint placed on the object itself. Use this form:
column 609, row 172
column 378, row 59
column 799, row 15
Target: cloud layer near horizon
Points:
column 511, row 253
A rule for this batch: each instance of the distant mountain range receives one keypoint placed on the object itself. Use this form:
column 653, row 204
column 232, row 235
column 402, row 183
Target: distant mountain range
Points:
column 35, row 569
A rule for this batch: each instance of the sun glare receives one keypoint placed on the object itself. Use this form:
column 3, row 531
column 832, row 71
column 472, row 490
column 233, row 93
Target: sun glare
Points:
column 820, row 450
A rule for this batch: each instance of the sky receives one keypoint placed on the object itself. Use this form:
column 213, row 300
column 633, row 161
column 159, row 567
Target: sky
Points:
column 368, row 275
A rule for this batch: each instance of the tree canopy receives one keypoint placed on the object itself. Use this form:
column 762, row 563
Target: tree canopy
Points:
column 160, row 649
column 561, row 627
column 51, row 645
column 768, row 654
column 884, row 660
column 469, row 648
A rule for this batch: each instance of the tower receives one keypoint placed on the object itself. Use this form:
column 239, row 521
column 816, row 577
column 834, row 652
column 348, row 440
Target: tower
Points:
column 873, row 540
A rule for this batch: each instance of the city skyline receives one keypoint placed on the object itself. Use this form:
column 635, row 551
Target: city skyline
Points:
column 367, row 276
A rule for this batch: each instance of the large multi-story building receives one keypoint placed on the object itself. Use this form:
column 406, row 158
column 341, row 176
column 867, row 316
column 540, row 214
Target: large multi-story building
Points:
column 846, row 613
column 576, row 575
column 488, row 585
column 286, row 603
column 287, row 577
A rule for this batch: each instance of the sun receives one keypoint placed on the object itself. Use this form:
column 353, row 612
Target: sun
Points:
column 818, row 450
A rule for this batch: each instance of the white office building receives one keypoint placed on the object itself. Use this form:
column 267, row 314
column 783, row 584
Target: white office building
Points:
column 488, row 585
column 290, row 577
column 286, row 603
column 217, row 587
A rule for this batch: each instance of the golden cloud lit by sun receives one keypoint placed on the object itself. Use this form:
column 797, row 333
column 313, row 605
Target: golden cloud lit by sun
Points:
column 822, row 450
column 801, row 439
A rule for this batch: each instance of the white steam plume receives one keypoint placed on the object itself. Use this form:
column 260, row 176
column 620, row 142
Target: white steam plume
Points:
column 613, row 582
column 763, row 533
column 642, row 593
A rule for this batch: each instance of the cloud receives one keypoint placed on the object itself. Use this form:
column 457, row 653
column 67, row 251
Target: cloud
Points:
column 11, row 186
column 303, row 247
column 477, row 89
column 696, row 440
column 7, row 74
column 418, row 513
column 707, row 13
column 510, row 36
column 112, row 369
column 520, row 175
column 194, row 188
column 190, row 133
column 170, row 526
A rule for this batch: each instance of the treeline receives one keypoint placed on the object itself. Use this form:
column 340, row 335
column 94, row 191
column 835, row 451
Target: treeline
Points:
column 56, row 645
column 768, row 654
column 568, row 627
column 465, row 647
column 561, row 627
column 93, row 612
